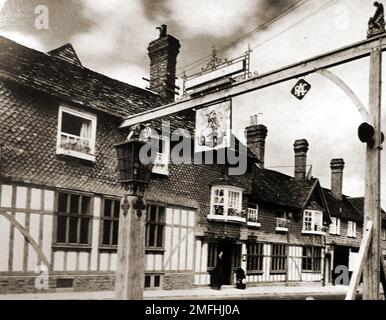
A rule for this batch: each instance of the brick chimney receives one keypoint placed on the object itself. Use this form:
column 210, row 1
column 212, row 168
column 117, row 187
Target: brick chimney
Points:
column 300, row 148
column 256, row 134
column 337, row 166
column 163, row 60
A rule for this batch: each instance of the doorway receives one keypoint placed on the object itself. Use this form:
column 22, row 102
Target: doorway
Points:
column 341, row 258
column 231, row 260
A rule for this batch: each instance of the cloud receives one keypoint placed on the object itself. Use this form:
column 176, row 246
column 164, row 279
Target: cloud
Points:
column 24, row 39
column 64, row 20
column 212, row 17
column 117, row 42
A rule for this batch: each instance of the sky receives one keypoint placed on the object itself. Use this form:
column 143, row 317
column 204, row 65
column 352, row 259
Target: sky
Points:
column 111, row 37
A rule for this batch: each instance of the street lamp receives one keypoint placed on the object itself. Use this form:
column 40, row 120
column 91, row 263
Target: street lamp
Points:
column 134, row 175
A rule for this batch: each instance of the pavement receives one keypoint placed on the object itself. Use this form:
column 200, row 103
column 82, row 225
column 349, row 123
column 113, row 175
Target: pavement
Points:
column 271, row 292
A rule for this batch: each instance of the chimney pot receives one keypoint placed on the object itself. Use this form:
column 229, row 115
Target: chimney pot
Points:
column 337, row 166
column 300, row 148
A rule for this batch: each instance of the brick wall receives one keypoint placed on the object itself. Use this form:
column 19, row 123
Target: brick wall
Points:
column 178, row 281
column 342, row 239
column 85, row 282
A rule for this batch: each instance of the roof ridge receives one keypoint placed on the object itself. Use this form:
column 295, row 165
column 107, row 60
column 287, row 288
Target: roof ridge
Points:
column 47, row 55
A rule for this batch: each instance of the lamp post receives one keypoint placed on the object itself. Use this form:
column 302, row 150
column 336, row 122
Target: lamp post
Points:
column 134, row 175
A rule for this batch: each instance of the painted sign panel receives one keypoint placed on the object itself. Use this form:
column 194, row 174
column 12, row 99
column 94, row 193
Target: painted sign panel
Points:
column 301, row 88
column 213, row 127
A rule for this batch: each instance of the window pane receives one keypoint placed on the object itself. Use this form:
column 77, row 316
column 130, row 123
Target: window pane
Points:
column 107, row 208
column 75, row 125
column 62, row 202
column 161, row 215
column 157, row 281
column 115, row 233
column 74, row 205
column 147, row 281
column 61, row 229
column 106, row 232
column 117, row 207
column 86, row 201
column 153, row 214
column 84, row 230
column 152, row 229
column 159, row 237
column 73, row 231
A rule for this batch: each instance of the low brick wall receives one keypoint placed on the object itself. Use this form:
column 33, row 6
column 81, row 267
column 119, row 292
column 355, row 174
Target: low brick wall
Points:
column 26, row 283
column 178, row 281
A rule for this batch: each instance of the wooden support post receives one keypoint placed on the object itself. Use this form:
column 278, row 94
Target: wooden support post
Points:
column 363, row 251
column 131, row 250
column 383, row 276
column 372, row 206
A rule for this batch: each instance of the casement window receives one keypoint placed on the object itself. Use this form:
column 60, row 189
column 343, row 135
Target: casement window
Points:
column 313, row 221
column 311, row 259
column 351, row 229
column 110, row 223
column 279, row 258
column 253, row 215
column 155, row 227
column 335, row 226
column 73, row 219
column 153, row 281
column 226, row 201
column 383, row 233
column 255, row 258
column 76, row 133
column 161, row 162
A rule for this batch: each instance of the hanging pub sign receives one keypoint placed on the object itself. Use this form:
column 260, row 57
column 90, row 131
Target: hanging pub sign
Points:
column 213, row 127
column 301, row 88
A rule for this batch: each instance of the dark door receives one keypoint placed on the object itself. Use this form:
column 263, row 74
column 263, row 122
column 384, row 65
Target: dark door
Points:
column 341, row 258
column 228, row 250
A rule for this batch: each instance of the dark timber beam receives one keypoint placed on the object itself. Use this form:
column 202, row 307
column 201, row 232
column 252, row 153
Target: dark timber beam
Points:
column 331, row 59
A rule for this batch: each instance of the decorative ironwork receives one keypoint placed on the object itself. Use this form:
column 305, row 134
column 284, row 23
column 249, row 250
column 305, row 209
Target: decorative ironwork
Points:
column 216, row 63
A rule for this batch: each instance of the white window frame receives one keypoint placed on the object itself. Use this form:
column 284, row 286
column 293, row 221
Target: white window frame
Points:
column 253, row 210
column 162, row 159
column 335, row 226
column 227, row 205
column 314, row 215
column 351, row 229
column 81, row 114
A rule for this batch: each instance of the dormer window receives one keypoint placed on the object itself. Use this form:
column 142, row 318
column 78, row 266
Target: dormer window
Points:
column 76, row 133
column 351, row 229
column 313, row 222
column 226, row 204
column 335, row 226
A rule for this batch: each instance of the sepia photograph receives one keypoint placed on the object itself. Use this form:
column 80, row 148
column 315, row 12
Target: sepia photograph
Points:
column 214, row 151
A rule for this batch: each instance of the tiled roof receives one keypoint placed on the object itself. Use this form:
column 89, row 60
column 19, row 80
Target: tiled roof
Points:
column 67, row 53
column 346, row 208
column 275, row 187
column 71, row 82
column 342, row 208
